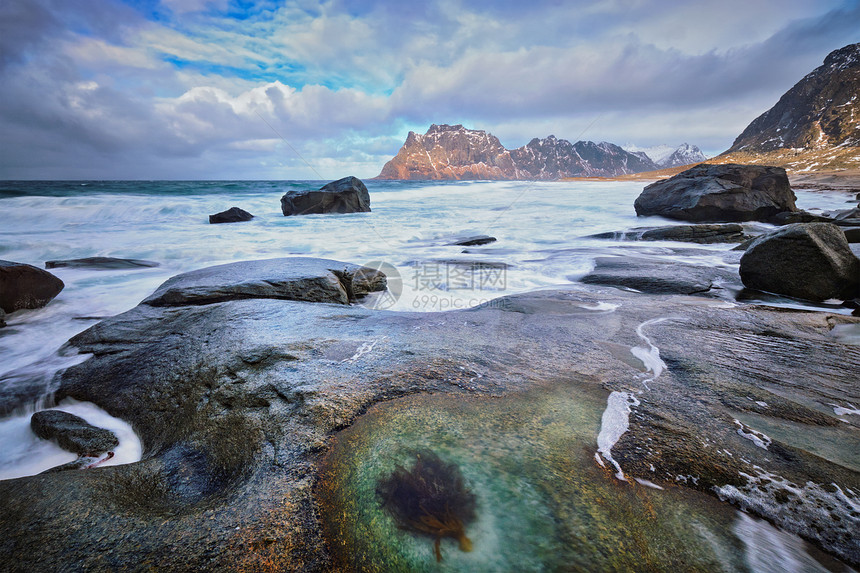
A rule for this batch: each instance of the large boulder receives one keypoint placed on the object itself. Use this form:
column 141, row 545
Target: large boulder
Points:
column 811, row 261
column 231, row 215
column 25, row 286
column 290, row 278
column 72, row 433
column 719, row 193
column 347, row 195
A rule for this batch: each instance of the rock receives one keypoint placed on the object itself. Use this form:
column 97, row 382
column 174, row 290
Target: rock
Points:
column 474, row 241
column 719, row 193
column 656, row 276
column 811, row 261
column 72, row 433
column 231, row 215
column 106, row 263
column 789, row 217
column 25, row 286
column 703, row 234
column 239, row 403
column 2, row 318
column 347, row 195
column 292, row 278
column 852, row 234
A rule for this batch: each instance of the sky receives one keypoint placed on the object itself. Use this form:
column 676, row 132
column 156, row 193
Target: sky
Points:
column 238, row 89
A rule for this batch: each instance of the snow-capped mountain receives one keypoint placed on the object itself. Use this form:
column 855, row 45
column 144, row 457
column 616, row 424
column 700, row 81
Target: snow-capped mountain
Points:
column 454, row 152
column 665, row 156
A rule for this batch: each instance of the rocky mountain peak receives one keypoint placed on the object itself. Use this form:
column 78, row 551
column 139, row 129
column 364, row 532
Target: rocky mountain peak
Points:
column 820, row 112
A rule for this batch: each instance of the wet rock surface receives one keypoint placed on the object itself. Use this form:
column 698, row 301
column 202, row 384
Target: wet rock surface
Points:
column 719, row 193
column 72, row 433
column 347, row 195
column 237, row 403
column 101, row 263
column 659, row 276
column 702, row 234
column 292, row 278
column 811, row 261
column 25, row 286
column 231, row 215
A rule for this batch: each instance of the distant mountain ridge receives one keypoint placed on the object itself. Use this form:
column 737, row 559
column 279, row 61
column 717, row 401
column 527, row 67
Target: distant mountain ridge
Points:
column 814, row 125
column 665, row 156
column 455, row 152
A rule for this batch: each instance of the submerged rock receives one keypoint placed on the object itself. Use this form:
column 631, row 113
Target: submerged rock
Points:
column 347, row 195
column 804, row 260
column 719, row 193
column 292, row 278
column 231, row 215
column 473, row 241
column 72, row 433
column 106, row 263
column 25, row 286
column 657, row 276
column 703, row 234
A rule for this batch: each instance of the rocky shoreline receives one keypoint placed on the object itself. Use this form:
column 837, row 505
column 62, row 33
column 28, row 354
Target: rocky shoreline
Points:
column 238, row 400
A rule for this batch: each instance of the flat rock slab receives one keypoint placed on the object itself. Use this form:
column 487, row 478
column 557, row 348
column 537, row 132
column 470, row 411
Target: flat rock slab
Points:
column 702, row 234
column 656, row 276
column 72, row 433
column 473, row 241
column 25, row 286
column 291, row 278
column 237, row 402
column 101, row 263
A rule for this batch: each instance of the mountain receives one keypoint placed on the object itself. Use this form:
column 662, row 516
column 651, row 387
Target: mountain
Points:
column 815, row 124
column 454, row 152
column 665, row 156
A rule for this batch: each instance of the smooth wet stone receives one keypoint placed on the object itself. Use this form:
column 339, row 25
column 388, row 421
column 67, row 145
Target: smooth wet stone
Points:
column 231, row 215
column 655, row 276
column 811, row 261
column 294, row 278
column 703, row 234
column 25, row 286
column 238, row 402
column 101, row 263
column 347, row 195
column 72, row 433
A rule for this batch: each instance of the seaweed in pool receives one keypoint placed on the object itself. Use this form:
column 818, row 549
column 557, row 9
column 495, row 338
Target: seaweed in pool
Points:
column 429, row 499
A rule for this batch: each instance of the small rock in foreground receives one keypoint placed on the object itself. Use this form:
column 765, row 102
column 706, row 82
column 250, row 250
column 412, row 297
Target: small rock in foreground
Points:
column 811, row 261
column 231, row 215
column 347, row 195
column 72, row 433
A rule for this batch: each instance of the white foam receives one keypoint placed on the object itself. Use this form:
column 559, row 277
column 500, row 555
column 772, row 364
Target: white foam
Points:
column 613, row 425
column 649, row 354
column 769, row 550
column 843, row 411
column 25, row 454
column 759, row 439
column 600, row 307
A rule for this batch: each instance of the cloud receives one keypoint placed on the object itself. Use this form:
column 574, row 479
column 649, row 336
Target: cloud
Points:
column 200, row 88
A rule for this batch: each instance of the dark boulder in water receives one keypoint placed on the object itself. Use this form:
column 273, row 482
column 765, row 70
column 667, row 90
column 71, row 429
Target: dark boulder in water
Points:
column 473, row 241
column 347, row 195
column 101, row 263
column 25, row 286
column 231, row 215
column 657, row 276
column 811, row 261
column 719, row 193
column 72, row 433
